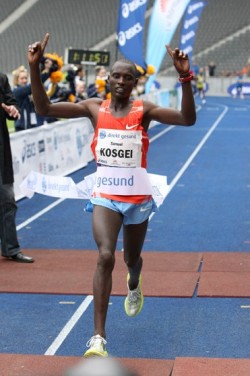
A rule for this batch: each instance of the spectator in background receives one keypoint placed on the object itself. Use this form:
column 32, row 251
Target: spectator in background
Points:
column 10, row 247
column 22, row 92
column 139, row 89
column 101, row 82
column 91, row 91
column 79, row 74
column 195, row 68
column 142, row 76
column 239, row 87
column 100, row 87
column 211, row 69
column 69, row 80
column 201, row 85
column 80, row 91
column 57, row 91
column 195, row 71
column 245, row 71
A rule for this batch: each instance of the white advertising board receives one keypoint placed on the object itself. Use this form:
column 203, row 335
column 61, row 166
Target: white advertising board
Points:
column 53, row 149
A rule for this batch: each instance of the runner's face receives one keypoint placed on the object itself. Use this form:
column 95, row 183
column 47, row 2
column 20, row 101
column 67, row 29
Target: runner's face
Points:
column 122, row 80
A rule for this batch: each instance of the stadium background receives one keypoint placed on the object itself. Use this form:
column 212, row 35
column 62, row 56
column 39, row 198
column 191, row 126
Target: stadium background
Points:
column 208, row 220
column 223, row 33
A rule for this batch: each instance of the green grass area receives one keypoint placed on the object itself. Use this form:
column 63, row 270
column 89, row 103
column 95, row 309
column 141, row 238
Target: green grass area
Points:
column 11, row 126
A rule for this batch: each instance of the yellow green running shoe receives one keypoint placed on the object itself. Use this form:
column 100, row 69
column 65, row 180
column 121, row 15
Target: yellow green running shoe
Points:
column 134, row 301
column 97, row 347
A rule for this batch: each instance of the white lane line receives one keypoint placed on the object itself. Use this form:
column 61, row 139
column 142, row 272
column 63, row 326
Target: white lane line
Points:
column 39, row 214
column 69, row 326
column 197, row 149
column 161, row 133
column 195, row 152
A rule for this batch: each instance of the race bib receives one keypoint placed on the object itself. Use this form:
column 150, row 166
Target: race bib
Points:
column 119, row 148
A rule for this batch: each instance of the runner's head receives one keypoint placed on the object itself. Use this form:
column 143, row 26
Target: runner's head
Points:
column 123, row 78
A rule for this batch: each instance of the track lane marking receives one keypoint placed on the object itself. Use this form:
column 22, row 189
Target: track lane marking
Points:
column 39, row 214
column 195, row 152
column 52, row 349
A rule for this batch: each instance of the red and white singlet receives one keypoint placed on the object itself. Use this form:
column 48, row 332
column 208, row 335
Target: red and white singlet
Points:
column 121, row 142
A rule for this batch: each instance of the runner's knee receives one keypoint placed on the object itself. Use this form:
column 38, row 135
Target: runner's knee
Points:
column 106, row 260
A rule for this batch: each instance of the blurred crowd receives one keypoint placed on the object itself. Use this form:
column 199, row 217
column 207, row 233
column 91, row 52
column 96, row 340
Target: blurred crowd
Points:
column 61, row 84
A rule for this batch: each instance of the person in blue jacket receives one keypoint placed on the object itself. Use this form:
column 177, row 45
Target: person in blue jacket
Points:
column 22, row 92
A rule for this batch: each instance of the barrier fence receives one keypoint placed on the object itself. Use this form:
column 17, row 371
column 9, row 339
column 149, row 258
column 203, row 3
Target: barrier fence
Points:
column 58, row 148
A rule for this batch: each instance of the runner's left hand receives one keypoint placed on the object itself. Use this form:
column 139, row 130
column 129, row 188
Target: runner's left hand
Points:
column 180, row 60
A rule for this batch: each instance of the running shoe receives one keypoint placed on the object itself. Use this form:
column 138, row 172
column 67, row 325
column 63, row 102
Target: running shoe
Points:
column 97, row 347
column 134, row 301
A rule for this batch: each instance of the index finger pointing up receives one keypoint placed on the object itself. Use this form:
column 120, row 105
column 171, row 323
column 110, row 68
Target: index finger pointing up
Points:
column 45, row 41
column 170, row 52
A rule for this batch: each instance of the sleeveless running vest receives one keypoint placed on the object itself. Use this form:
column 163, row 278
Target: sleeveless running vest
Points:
column 121, row 142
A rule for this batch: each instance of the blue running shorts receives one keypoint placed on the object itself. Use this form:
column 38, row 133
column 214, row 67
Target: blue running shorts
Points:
column 132, row 213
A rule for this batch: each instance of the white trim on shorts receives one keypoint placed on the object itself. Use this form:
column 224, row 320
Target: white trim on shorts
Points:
column 132, row 213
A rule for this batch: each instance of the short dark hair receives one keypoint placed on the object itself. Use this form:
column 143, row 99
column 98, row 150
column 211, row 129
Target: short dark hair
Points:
column 128, row 62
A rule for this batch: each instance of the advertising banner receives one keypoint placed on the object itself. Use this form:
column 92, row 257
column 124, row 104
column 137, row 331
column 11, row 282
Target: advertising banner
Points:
column 163, row 22
column 189, row 27
column 130, row 31
column 52, row 149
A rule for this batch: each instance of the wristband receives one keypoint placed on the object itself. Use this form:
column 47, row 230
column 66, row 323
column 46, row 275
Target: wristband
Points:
column 185, row 79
